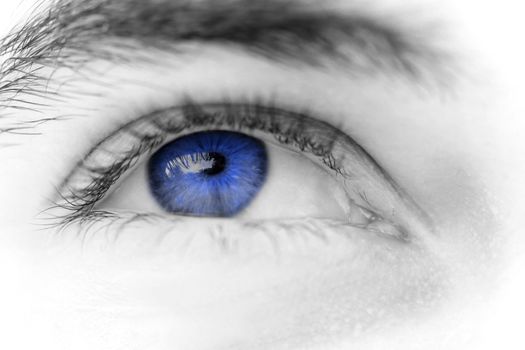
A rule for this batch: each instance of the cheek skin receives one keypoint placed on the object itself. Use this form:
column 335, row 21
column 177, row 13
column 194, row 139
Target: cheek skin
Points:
column 311, row 291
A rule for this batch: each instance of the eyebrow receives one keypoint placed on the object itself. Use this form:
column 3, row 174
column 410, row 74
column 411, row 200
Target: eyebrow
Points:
column 277, row 29
column 70, row 33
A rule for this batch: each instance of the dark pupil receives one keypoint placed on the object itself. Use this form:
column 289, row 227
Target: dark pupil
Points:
column 217, row 165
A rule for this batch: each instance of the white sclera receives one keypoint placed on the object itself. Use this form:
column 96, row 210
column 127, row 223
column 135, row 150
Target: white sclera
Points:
column 296, row 187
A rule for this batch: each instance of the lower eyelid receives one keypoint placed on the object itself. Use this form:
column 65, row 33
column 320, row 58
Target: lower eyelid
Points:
column 181, row 238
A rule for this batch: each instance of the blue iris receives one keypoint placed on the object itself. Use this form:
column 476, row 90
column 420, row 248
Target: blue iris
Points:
column 211, row 173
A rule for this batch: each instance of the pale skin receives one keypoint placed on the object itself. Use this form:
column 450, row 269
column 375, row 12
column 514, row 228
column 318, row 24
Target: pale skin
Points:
column 455, row 148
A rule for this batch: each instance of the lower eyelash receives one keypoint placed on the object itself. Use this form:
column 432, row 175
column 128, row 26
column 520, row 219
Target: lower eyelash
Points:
column 177, row 236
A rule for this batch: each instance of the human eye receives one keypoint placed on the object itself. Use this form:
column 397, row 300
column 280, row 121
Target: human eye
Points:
column 245, row 162
column 270, row 168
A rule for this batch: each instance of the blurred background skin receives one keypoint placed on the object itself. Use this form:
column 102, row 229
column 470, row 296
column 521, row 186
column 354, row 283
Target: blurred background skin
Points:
column 493, row 31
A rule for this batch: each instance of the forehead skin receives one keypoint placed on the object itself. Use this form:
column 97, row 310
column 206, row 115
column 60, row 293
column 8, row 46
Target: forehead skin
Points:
column 485, row 120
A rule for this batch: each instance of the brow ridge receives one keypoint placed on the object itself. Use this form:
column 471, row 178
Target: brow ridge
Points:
column 70, row 33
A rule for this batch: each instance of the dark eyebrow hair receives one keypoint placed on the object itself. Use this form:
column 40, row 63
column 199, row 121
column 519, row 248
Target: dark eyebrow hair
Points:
column 71, row 32
column 277, row 29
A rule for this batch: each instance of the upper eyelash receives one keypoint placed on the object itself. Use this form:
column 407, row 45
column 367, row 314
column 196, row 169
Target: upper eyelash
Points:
column 248, row 116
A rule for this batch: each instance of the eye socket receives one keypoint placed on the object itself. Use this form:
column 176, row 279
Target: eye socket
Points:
column 370, row 198
column 210, row 173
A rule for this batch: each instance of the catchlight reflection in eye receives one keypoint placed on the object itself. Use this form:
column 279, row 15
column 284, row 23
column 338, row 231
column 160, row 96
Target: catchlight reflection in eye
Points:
column 210, row 173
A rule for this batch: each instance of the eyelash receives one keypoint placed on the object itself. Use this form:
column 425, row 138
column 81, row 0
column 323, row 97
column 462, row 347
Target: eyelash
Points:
column 287, row 128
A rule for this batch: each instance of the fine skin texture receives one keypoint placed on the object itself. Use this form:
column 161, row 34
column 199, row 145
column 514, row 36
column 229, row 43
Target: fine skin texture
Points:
column 429, row 90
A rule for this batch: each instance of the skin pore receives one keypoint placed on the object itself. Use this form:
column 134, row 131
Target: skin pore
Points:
column 439, row 136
